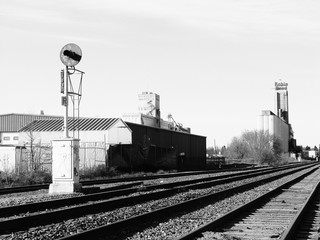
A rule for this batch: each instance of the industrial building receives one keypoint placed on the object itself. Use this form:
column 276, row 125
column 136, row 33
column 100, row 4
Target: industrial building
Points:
column 11, row 123
column 281, row 101
column 12, row 154
column 149, row 114
column 270, row 122
column 108, row 130
column 162, row 143
column 144, row 141
column 97, row 134
column 163, row 148
column 277, row 123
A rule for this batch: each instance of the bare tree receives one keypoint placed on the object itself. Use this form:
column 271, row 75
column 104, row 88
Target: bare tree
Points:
column 258, row 145
column 237, row 149
column 35, row 150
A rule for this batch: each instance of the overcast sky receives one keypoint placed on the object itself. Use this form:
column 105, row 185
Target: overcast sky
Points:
column 213, row 63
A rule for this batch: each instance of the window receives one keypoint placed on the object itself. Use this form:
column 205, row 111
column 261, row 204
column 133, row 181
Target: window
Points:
column 6, row 138
column 16, row 138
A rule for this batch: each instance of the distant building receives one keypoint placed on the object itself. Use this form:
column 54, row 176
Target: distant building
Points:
column 109, row 141
column 149, row 104
column 11, row 123
column 96, row 136
column 107, row 130
column 312, row 154
column 281, row 101
column 143, row 119
column 136, row 140
column 277, row 123
column 154, row 148
column 160, row 143
column 12, row 153
column 12, row 158
column 271, row 123
column 149, row 114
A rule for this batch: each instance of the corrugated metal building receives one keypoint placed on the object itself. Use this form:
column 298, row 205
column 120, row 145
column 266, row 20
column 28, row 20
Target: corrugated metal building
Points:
column 96, row 135
column 107, row 130
column 114, row 142
column 12, row 158
column 11, row 123
column 161, row 148
column 149, row 147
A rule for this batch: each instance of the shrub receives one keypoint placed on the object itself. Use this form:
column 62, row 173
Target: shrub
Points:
column 237, row 149
column 99, row 171
column 40, row 177
column 285, row 159
column 258, row 145
column 7, row 179
column 24, row 178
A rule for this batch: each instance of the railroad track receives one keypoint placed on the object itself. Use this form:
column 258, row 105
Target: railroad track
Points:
column 132, row 179
column 307, row 222
column 274, row 215
column 106, row 206
column 120, row 180
column 126, row 189
column 30, row 220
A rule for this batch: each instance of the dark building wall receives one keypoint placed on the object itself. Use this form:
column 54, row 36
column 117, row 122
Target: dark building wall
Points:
column 162, row 148
column 198, row 149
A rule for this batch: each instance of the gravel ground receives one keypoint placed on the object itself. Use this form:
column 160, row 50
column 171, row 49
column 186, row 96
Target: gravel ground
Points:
column 162, row 231
column 14, row 199
column 181, row 224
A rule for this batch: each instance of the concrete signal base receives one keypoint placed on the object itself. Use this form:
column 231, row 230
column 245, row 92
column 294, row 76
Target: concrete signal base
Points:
column 65, row 166
column 64, row 187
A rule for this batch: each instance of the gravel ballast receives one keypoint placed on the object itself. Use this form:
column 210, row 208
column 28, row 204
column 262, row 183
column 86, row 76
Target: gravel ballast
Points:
column 165, row 230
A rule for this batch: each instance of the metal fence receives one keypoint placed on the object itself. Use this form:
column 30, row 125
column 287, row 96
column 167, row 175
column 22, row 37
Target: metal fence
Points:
column 39, row 157
column 92, row 154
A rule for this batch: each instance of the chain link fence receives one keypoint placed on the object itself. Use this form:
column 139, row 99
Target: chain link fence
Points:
column 92, row 154
column 39, row 157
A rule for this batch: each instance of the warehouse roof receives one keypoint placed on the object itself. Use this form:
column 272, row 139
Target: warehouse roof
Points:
column 13, row 122
column 81, row 124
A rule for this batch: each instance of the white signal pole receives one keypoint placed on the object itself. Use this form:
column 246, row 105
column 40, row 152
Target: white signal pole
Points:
column 65, row 130
column 65, row 151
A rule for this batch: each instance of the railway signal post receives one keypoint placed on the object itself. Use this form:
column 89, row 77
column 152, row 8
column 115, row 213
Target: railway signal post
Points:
column 65, row 151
